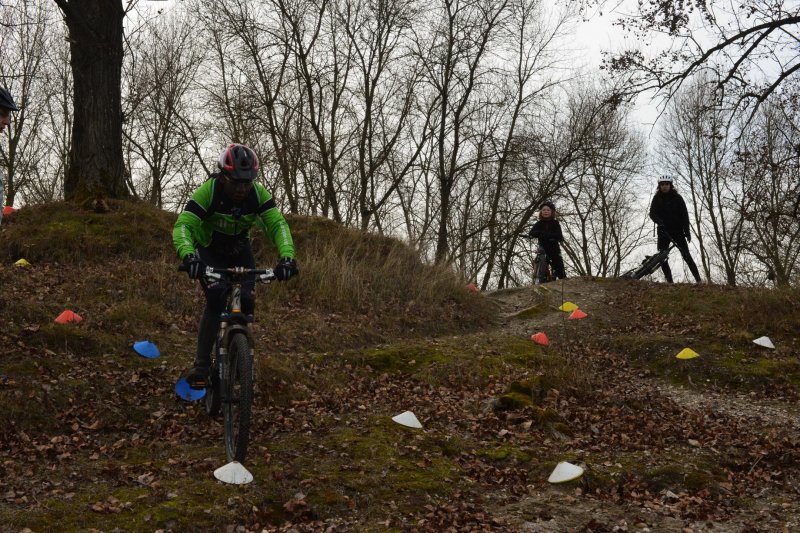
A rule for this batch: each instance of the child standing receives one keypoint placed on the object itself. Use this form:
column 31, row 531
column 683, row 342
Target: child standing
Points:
column 548, row 230
column 668, row 211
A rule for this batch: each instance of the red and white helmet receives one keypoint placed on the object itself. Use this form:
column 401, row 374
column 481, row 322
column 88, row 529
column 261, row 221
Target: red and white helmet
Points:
column 238, row 162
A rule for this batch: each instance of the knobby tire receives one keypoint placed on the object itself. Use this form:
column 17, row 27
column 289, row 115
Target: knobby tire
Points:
column 213, row 396
column 541, row 270
column 238, row 397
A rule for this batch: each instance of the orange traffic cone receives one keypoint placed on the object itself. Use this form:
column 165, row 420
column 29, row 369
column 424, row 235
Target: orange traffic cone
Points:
column 577, row 314
column 540, row 338
column 68, row 316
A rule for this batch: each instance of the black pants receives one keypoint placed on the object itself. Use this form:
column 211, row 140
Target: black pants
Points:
column 683, row 247
column 553, row 251
column 239, row 255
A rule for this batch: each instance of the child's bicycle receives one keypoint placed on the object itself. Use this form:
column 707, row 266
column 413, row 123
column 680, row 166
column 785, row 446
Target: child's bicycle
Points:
column 542, row 265
column 232, row 370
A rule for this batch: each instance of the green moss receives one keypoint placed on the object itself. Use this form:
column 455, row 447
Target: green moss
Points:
column 563, row 428
column 678, row 477
column 722, row 362
column 400, row 358
column 761, row 370
column 547, row 415
column 531, row 312
column 524, row 387
column 470, row 359
column 514, row 400
column 67, row 233
column 387, row 462
column 504, row 453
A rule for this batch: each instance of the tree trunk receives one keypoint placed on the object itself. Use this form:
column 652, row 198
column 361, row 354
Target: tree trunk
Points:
column 96, row 167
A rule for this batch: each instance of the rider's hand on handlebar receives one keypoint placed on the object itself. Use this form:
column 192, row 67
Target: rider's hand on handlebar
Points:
column 194, row 266
column 285, row 269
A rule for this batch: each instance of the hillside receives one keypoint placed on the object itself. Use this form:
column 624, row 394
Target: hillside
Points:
column 95, row 439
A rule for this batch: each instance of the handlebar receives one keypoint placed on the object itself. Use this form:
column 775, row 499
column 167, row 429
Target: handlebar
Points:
column 263, row 275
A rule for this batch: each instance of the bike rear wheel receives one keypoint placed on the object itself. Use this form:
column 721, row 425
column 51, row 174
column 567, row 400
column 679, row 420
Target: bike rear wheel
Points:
column 237, row 386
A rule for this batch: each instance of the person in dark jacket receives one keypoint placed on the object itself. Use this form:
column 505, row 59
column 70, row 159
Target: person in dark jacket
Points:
column 668, row 211
column 548, row 230
column 7, row 105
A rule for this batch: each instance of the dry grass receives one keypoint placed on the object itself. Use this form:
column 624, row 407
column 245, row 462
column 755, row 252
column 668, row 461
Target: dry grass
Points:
column 120, row 268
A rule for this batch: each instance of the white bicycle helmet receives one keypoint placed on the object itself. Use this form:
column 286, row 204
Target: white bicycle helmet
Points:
column 665, row 178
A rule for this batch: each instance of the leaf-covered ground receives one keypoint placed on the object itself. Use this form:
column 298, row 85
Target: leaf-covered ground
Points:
column 94, row 438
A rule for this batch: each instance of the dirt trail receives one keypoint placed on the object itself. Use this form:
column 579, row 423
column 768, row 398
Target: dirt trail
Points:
column 555, row 508
column 604, row 309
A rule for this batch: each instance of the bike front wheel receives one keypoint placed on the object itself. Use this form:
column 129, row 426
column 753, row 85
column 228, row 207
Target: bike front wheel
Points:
column 213, row 397
column 541, row 269
column 237, row 385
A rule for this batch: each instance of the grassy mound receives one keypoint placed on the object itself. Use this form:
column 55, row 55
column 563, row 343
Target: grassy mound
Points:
column 64, row 233
column 718, row 322
column 344, row 274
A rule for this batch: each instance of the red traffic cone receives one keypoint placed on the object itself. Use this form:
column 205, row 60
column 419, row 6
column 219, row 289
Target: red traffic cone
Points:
column 577, row 314
column 68, row 316
column 540, row 338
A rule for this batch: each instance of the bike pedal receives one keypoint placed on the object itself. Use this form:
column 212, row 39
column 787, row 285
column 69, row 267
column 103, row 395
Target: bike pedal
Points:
column 199, row 384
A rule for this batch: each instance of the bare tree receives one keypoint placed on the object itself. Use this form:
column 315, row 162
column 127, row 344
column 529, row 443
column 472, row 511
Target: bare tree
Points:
column 56, row 127
column 696, row 143
column 746, row 49
column 769, row 168
column 159, row 76
column 600, row 212
column 385, row 89
column 454, row 51
column 24, row 38
column 532, row 45
column 323, row 60
column 96, row 166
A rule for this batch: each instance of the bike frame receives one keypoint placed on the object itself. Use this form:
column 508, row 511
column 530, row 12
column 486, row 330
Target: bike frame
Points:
column 651, row 263
column 233, row 323
column 541, row 258
column 233, row 320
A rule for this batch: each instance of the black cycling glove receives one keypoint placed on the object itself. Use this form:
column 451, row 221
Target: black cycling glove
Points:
column 286, row 268
column 194, row 266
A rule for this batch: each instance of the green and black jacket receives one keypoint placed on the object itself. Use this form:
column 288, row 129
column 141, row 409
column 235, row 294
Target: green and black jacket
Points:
column 212, row 221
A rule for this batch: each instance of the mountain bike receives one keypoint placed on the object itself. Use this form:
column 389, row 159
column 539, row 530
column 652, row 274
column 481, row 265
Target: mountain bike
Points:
column 230, row 388
column 649, row 264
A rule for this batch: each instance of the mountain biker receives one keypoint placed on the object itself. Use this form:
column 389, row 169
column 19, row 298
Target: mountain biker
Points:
column 214, row 230
column 668, row 211
column 7, row 105
column 548, row 230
